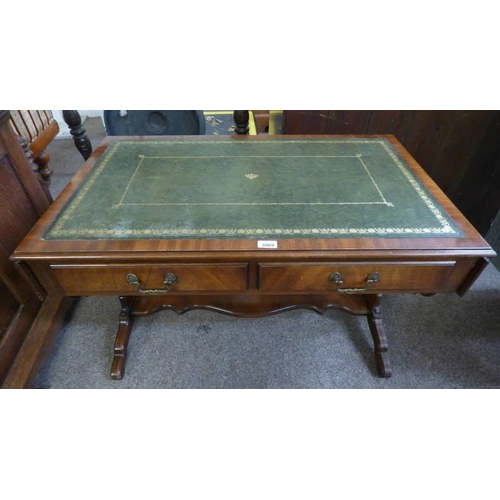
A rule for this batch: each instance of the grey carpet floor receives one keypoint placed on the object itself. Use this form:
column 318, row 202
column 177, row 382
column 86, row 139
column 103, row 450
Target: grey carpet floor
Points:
column 442, row 341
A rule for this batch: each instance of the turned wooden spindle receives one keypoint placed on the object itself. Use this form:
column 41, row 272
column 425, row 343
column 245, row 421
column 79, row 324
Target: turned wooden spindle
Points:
column 27, row 152
column 241, row 120
column 30, row 157
column 39, row 164
column 42, row 160
column 82, row 142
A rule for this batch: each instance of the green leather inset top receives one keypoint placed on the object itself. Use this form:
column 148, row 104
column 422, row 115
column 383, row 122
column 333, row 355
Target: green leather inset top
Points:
column 320, row 188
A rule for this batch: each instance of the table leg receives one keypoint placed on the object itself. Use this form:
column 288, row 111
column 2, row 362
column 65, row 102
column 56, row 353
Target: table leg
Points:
column 378, row 335
column 122, row 337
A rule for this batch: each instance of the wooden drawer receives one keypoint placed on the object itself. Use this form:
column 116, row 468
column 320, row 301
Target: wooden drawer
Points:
column 400, row 276
column 113, row 279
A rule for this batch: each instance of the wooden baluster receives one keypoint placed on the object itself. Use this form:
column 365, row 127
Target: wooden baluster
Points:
column 241, row 120
column 82, row 142
column 42, row 161
column 29, row 155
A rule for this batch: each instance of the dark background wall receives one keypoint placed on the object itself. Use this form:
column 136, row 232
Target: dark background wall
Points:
column 460, row 150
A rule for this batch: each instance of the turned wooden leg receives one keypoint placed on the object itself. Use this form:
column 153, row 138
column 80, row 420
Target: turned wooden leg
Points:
column 122, row 337
column 82, row 142
column 39, row 164
column 241, row 120
column 29, row 155
column 378, row 335
column 27, row 152
column 42, row 161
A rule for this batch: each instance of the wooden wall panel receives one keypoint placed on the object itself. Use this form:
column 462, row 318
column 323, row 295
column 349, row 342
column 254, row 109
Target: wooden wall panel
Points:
column 305, row 122
column 391, row 122
column 443, row 142
column 478, row 194
column 347, row 122
column 427, row 133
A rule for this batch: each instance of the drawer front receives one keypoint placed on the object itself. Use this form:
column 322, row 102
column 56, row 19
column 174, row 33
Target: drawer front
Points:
column 356, row 277
column 137, row 279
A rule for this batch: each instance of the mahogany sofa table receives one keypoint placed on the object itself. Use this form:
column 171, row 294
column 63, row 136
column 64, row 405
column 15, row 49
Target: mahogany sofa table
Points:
column 252, row 226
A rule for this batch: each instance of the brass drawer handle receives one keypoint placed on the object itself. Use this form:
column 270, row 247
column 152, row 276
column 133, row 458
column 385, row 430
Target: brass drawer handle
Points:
column 337, row 279
column 170, row 279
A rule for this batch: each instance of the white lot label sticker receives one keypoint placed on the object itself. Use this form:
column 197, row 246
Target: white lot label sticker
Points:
column 267, row 244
